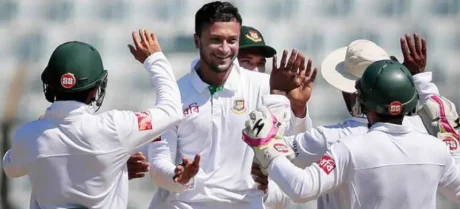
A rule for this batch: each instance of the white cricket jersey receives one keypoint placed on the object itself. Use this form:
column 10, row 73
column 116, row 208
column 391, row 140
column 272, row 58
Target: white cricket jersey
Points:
column 212, row 126
column 391, row 166
column 74, row 157
column 276, row 199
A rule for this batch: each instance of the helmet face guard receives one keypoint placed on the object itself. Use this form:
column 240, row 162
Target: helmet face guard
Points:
column 98, row 98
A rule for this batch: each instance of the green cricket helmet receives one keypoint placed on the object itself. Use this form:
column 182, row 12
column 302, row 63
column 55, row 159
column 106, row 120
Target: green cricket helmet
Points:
column 74, row 67
column 387, row 88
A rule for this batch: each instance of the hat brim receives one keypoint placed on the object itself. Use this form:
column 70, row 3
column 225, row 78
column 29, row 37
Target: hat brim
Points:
column 333, row 71
column 267, row 51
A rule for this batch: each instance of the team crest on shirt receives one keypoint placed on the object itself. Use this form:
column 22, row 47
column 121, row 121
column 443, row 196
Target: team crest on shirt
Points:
column 253, row 36
column 239, row 106
column 144, row 121
column 327, row 164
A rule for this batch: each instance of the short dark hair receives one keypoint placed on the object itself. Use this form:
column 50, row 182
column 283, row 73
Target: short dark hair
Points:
column 80, row 96
column 215, row 11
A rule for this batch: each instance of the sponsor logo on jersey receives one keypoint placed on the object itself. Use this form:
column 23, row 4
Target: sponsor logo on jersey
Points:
column 281, row 148
column 239, row 106
column 395, row 108
column 144, row 121
column 191, row 109
column 68, row 80
column 327, row 164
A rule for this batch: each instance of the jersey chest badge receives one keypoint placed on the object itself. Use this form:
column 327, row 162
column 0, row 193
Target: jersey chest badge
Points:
column 239, row 106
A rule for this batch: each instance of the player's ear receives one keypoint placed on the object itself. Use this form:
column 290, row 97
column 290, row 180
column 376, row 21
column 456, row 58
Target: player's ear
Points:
column 196, row 40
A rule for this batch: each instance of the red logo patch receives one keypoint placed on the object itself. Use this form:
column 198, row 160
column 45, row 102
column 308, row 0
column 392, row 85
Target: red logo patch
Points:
column 144, row 121
column 451, row 143
column 327, row 164
column 281, row 148
column 395, row 108
column 68, row 80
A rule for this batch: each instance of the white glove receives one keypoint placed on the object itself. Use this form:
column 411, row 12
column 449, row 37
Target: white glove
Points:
column 261, row 133
column 441, row 120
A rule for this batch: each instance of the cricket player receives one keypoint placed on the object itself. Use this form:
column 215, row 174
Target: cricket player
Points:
column 217, row 96
column 75, row 158
column 341, row 69
column 387, row 167
column 253, row 50
column 252, row 56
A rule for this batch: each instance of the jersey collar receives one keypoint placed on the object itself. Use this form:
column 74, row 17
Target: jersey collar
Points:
column 232, row 84
column 390, row 128
column 62, row 109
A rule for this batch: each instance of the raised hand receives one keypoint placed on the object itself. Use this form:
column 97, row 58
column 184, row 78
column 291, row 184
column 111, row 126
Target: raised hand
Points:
column 147, row 46
column 300, row 95
column 187, row 170
column 414, row 53
column 283, row 77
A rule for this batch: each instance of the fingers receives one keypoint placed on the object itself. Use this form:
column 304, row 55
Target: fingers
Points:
column 418, row 44
column 132, row 49
column 313, row 75
column 308, row 70
column 300, row 61
column 136, row 40
column 283, row 59
column 148, row 37
column 292, row 59
column 274, row 63
column 302, row 66
column 424, row 47
column 137, row 157
column 135, row 175
column 404, row 48
column 411, row 45
column 139, row 167
column 143, row 36
column 196, row 161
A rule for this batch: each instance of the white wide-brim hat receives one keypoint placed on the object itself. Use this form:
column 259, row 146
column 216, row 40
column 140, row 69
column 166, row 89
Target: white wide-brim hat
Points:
column 345, row 65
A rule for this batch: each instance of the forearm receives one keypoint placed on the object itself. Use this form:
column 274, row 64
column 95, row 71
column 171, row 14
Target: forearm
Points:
column 300, row 124
column 11, row 169
column 275, row 198
column 162, row 168
column 168, row 98
column 297, row 184
column 425, row 87
column 309, row 147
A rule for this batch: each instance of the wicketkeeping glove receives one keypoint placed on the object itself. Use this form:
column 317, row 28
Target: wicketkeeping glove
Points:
column 440, row 117
column 262, row 134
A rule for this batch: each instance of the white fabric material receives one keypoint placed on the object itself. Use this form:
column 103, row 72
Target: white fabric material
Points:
column 394, row 155
column 74, row 157
column 213, row 126
column 332, row 133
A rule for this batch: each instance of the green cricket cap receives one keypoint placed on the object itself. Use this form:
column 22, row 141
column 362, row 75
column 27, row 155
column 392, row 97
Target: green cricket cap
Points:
column 74, row 66
column 252, row 38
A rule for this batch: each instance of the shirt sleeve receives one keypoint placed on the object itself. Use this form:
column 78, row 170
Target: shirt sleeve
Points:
column 300, row 125
column 275, row 198
column 139, row 128
column 308, row 147
column 162, row 159
column 15, row 159
column 333, row 169
column 425, row 87
column 449, row 185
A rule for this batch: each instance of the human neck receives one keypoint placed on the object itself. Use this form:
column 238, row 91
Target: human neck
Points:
column 211, row 77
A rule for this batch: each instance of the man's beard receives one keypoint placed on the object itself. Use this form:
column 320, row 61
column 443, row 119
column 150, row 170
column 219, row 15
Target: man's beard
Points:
column 212, row 66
